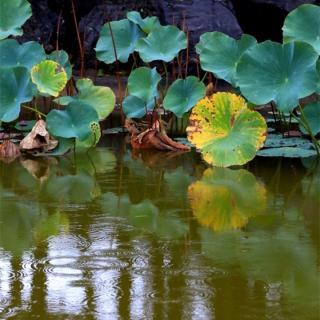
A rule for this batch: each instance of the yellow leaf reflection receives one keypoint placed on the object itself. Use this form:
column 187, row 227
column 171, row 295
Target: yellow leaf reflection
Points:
column 225, row 199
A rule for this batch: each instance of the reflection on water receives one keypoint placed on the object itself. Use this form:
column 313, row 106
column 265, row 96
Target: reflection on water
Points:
column 149, row 235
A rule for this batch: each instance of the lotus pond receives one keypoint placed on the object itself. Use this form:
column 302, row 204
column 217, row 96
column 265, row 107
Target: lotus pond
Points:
column 121, row 234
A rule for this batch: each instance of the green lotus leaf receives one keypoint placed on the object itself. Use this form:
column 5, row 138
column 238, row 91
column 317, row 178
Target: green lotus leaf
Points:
column 62, row 58
column 102, row 99
column 303, row 24
column 13, row 14
column 15, row 88
column 143, row 83
column 183, row 94
column 225, row 130
column 312, row 116
column 285, row 73
column 125, row 35
column 49, row 77
column 93, row 138
column 147, row 24
column 134, row 107
column 225, row 199
column 164, row 43
column 220, row 53
column 73, row 122
column 287, row 152
column 13, row 54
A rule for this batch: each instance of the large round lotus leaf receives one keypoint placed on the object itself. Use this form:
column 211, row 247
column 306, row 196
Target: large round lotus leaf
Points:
column 13, row 54
column 312, row 116
column 183, row 95
column 220, row 53
column 49, row 77
column 102, row 99
column 225, row 199
column 134, row 107
column 13, row 14
column 303, row 24
column 164, row 43
column 285, row 73
column 15, row 88
column 73, row 122
column 125, row 35
column 143, row 83
column 147, row 24
column 225, row 130
column 62, row 58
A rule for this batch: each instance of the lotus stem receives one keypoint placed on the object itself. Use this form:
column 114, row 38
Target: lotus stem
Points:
column 79, row 40
column 118, row 71
column 34, row 110
column 58, row 30
column 204, row 76
column 167, row 77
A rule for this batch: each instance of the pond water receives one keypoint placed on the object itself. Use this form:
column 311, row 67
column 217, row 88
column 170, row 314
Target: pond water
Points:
column 117, row 234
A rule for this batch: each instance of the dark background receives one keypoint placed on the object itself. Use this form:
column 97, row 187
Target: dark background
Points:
column 260, row 18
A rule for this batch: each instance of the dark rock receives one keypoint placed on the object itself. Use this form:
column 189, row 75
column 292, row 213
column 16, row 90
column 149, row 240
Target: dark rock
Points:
column 41, row 26
column 287, row 5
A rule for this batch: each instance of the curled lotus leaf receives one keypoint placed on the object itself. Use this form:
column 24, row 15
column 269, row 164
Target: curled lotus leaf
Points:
column 73, row 122
column 225, row 199
column 13, row 14
column 183, row 94
column 225, row 130
column 220, row 53
column 270, row 71
column 93, row 138
column 312, row 116
column 15, row 89
column 164, row 43
column 49, row 77
column 101, row 98
column 62, row 58
column 13, row 54
column 147, row 24
column 303, row 24
column 125, row 35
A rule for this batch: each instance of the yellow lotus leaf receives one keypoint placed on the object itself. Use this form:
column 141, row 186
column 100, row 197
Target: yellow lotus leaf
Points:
column 225, row 130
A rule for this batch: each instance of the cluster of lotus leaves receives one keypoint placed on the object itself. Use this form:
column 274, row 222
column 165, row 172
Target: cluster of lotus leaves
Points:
column 225, row 199
column 269, row 71
column 146, row 36
column 225, row 130
column 13, row 14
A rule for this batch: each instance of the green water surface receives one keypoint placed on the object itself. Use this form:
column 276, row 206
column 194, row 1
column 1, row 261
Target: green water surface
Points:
column 116, row 234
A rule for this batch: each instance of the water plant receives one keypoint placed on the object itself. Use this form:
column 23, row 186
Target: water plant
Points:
column 270, row 72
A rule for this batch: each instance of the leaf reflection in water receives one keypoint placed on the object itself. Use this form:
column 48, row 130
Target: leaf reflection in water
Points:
column 225, row 199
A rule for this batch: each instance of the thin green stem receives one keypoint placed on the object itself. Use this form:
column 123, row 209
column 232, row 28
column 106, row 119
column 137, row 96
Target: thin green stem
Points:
column 203, row 78
column 167, row 77
column 34, row 110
